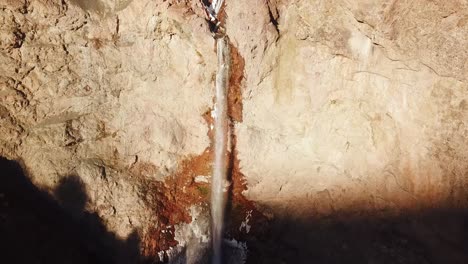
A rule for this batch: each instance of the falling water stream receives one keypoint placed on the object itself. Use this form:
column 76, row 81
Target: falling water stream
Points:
column 220, row 148
column 221, row 134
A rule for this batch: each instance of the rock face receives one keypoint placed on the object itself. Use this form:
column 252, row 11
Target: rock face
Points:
column 351, row 107
column 337, row 107
column 113, row 93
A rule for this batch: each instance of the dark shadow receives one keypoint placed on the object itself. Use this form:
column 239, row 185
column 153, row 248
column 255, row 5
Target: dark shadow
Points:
column 435, row 236
column 36, row 228
column 206, row 2
column 71, row 194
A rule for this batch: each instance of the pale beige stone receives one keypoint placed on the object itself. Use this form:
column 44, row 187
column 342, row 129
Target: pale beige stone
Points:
column 348, row 106
column 353, row 104
column 92, row 92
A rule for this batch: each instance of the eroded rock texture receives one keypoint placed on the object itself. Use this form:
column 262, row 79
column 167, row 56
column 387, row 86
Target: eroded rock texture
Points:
column 337, row 107
column 354, row 106
column 113, row 93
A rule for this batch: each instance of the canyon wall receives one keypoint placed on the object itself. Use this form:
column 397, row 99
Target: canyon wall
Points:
column 353, row 106
column 336, row 107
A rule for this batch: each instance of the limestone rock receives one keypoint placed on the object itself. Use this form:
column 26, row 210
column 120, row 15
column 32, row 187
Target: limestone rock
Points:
column 113, row 92
column 351, row 106
column 340, row 107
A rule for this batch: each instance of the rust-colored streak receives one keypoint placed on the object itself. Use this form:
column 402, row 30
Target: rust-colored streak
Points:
column 236, row 79
column 171, row 199
column 238, row 205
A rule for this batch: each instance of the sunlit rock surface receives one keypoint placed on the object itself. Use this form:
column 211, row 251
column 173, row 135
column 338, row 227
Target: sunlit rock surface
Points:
column 114, row 96
column 344, row 107
column 354, row 106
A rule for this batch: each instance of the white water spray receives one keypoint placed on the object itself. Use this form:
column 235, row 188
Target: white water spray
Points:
column 220, row 135
column 220, row 148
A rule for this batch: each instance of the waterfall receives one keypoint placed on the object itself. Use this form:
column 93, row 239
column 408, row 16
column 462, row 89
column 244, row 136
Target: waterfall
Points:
column 220, row 147
column 220, row 133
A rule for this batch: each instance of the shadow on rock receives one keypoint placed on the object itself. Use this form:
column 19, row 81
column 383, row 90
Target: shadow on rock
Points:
column 431, row 236
column 36, row 228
